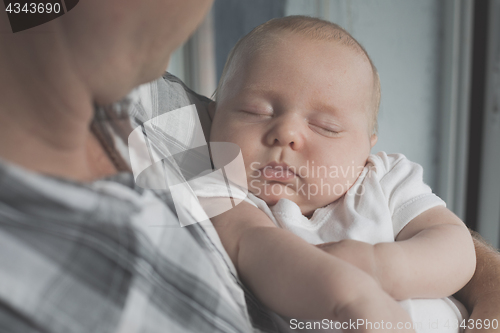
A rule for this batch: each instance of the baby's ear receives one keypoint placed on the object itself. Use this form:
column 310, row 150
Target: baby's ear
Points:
column 373, row 140
column 211, row 109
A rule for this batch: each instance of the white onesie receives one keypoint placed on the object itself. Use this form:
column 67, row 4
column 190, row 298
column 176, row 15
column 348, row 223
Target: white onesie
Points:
column 388, row 194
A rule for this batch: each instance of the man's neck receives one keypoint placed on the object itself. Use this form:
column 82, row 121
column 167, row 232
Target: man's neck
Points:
column 46, row 109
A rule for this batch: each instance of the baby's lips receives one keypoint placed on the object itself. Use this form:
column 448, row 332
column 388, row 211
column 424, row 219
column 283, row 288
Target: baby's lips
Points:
column 277, row 173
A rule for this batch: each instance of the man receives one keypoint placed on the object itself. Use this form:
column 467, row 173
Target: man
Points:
column 71, row 257
column 75, row 251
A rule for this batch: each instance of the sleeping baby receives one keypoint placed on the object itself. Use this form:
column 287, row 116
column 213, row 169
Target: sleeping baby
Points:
column 300, row 97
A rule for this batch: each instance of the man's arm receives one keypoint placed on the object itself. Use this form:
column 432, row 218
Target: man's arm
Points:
column 297, row 280
column 433, row 257
column 481, row 295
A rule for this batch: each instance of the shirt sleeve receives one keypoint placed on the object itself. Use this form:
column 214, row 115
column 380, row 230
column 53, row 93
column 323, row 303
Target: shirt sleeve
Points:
column 403, row 185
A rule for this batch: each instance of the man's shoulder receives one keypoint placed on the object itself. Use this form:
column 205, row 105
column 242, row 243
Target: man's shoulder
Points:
column 71, row 265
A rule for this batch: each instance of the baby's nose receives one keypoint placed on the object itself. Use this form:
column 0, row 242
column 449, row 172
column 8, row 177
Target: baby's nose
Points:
column 286, row 131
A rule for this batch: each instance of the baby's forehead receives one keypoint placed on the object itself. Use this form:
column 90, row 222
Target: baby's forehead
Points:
column 304, row 48
column 283, row 43
column 296, row 58
column 253, row 70
column 336, row 38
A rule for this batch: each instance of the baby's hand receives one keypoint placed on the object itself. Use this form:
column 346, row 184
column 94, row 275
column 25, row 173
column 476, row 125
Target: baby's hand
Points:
column 359, row 254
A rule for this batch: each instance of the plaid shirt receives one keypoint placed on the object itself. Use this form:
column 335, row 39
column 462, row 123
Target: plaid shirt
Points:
column 73, row 257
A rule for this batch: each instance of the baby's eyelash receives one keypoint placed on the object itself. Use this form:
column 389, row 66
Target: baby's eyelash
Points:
column 256, row 114
column 325, row 131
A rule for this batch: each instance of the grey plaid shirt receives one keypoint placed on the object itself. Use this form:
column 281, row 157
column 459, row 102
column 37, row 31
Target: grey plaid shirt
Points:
column 72, row 258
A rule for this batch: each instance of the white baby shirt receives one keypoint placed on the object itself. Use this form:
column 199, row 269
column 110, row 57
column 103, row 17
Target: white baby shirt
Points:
column 387, row 195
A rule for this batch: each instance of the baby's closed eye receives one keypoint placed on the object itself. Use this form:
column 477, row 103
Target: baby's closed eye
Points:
column 325, row 130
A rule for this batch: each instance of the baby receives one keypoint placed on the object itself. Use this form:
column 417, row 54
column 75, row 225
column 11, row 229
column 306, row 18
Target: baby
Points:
column 300, row 97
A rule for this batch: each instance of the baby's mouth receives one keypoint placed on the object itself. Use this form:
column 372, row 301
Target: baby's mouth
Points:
column 277, row 172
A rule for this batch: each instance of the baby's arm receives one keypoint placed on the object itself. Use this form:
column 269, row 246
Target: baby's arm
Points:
column 433, row 257
column 297, row 280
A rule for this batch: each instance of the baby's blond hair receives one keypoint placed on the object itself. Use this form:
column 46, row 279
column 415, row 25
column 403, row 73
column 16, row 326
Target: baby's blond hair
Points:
column 309, row 27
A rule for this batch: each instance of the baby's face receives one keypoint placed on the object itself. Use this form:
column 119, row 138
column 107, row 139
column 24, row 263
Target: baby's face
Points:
column 299, row 111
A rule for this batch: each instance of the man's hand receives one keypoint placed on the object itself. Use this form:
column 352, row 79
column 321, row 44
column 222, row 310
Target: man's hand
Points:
column 481, row 295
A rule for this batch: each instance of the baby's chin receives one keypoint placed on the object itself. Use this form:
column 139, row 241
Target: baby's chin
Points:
column 305, row 210
column 307, row 205
column 272, row 193
column 272, row 199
